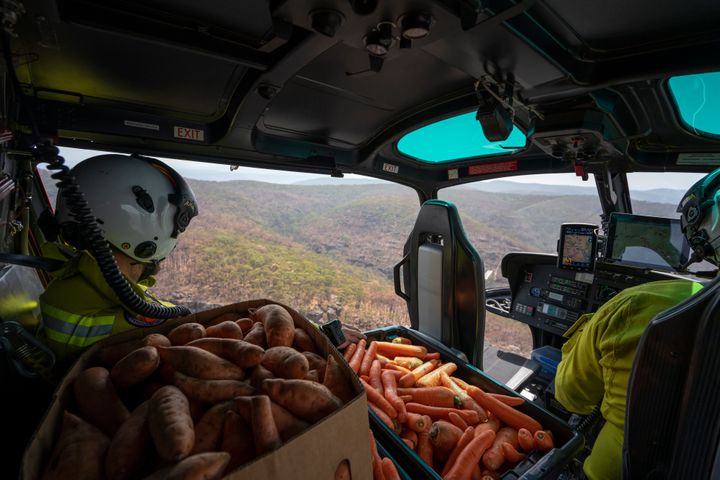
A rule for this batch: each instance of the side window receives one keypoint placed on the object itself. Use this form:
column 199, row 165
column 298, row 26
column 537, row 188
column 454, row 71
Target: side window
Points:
column 502, row 216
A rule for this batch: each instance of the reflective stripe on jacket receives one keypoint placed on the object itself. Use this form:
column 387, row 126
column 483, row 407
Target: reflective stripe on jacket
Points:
column 598, row 357
column 79, row 308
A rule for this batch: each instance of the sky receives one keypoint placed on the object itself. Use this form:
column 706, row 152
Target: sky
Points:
column 208, row 171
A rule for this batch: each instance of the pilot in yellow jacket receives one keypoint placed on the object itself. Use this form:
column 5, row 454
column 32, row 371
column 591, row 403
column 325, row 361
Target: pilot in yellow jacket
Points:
column 598, row 357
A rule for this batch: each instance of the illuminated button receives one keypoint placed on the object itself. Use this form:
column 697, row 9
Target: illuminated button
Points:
column 535, row 292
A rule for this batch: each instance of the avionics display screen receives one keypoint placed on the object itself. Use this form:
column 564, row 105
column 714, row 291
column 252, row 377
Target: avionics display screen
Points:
column 577, row 247
column 651, row 242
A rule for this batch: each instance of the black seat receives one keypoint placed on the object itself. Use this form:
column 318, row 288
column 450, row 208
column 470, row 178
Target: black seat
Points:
column 672, row 422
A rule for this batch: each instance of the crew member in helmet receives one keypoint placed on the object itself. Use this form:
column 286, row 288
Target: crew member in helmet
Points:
column 599, row 354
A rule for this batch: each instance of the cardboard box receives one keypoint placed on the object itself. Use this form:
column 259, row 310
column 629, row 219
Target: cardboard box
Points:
column 313, row 454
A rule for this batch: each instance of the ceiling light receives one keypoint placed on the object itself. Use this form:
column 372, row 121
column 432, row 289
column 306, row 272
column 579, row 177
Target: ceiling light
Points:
column 416, row 25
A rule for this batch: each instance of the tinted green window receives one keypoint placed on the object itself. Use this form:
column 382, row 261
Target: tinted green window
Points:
column 456, row 138
column 698, row 101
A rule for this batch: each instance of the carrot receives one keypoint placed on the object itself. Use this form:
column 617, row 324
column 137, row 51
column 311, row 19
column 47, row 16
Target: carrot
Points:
column 468, row 459
column 424, row 448
column 432, row 396
column 379, row 400
column 350, row 351
column 493, row 423
column 405, row 398
column 495, row 457
column 383, row 359
column 432, row 379
column 264, row 429
column 383, row 416
column 508, row 400
column 505, row 413
column 408, row 380
column 368, row 359
column 411, row 437
column 418, row 423
column 470, row 417
column 432, row 356
column 375, row 377
column 407, row 362
column 466, row 401
column 544, row 440
column 365, row 378
column 394, row 349
column 526, row 440
column 402, row 340
column 461, row 383
column 457, row 421
column 444, row 436
column 397, row 368
column 389, row 469
column 390, row 390
column 490, row 475
column 511, row 453
column 376, row 462
column 357, row 357
column 468, row 434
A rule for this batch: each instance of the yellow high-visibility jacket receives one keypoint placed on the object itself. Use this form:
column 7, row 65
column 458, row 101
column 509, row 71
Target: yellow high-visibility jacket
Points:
column 79, row 308
column 598, row 357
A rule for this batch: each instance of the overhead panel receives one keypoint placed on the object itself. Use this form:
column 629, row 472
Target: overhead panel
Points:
column 697, row 98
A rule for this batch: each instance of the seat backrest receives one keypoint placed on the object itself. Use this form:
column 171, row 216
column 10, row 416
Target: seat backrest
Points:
column 443, row 280
column 672, row 422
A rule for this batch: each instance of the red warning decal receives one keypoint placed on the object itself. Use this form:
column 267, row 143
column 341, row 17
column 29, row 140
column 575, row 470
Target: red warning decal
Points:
column 189, row 133
column 509, row 166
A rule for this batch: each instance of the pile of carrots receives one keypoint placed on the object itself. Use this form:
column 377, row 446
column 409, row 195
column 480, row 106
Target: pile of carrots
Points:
column 459, row 430
column 198, row 402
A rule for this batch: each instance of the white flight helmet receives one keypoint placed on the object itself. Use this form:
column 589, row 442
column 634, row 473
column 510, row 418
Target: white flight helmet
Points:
column 141, row 205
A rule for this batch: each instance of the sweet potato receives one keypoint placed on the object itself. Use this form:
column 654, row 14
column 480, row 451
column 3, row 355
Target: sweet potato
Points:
column 288, row 425
column 336, row 382
column 278, row 324
column 265, row 432
column 171, row 426
column 256, row 335
column 135, row 367
column 285, row 362
column 303, row 342
column 208, row 431
column 97, row 401
column 225, row 330
column 225, row 317
column 203, row 466
column 78, row 453
column 199, row 363
column 259, row 374
column 240, row 352
column 237, row 440
column 316, row 362
column 245, row 325
column 210, row 391
column 308, row 400
column 111, row 354
column 342, row 472
column 130, row 447
column 186, row 333
column 312, row 375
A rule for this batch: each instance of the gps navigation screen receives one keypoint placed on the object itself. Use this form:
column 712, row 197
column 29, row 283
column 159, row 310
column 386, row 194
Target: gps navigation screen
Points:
column 578, row 247
column 651, row 242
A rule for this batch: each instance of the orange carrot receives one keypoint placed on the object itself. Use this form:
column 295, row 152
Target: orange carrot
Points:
column 461, row 383
column 394, row 349
column 405, row 398
column 470, row 456
column 432, row 379
column 432, row 356
column 350, row 351
column 396, row 373
column 389, row 469
column 368, row 359
column 470, row 417
column 467, row 435
column 493, row 423
column 511, row 453
column 365, row 377
column 390, row 389
column 398, row 368
column 383, row 359
column 383, row 416
column 402, row 340
column 418, row 423
column 544, row 440
column 410, row 444
column 424, row 448
column 457, row 421
column 264, row 430
column 375, row 380
column 505, row 413
column 526, row 440
column 379, row 400
column 410, row 436
column 508, row 400
column 466, row 401
column 494, row 457
column 376, row 461
column 409, row 379
column 490, row 475
column 407, row 362
column 357, row 357
column 444, row 436
column 433, row 396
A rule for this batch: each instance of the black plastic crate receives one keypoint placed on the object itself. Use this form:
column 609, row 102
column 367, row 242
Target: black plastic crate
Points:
column 537, row 465
column 384, row 453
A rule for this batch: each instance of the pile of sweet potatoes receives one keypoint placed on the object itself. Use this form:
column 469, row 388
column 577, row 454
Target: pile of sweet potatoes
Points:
column 458, row 429
column 198, row 402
